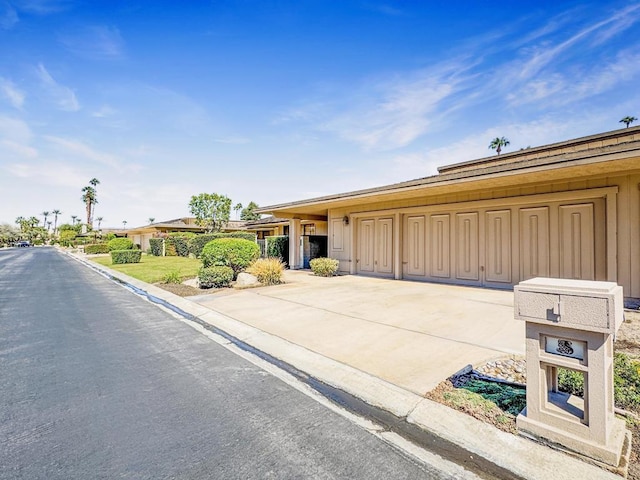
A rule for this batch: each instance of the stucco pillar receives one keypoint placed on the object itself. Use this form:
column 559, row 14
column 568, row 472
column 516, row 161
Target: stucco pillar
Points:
column 294, row 243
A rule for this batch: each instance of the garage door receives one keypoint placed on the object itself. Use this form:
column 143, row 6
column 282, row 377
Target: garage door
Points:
column 500, row 247
column 374, row 254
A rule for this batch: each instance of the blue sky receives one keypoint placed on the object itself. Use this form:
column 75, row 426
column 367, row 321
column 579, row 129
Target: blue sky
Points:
column 275, row 101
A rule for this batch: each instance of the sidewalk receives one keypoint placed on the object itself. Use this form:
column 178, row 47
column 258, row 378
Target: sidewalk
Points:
column 386, row 342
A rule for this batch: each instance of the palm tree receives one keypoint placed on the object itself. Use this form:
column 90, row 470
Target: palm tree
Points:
column 151, row 220
column 124, row 224
column 45, row 214
column 497, row 144
column 90, row 198
column 99, row 219
column 49, row 225
column 628, row 120
column 237, row 208
column 55, row 212
column 73, row 220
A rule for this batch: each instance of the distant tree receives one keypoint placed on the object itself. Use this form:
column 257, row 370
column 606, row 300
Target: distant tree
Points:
column 49, row 225
column 45, row 214
column 55, row 212
column 124, row 224
column 211, row 210
column 73, row 219
column 99, row 219
column 237, row 207
column 151, row 220
column 248, row 213
column 8, row 234
column 90, row 199
column 628, row 120
column 497, row 144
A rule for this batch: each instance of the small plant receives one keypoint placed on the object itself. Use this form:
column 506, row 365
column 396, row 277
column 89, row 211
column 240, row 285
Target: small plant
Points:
column 120, row 244
column 509, row 399
column 571, row 382
column 231, row 252
column 215, row 277
column 125, row 256
column 172, row 277
column 268, row 271
column 324, row 267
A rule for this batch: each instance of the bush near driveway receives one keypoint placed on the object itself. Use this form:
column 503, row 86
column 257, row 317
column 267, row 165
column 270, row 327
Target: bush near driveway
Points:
column 324, row 267
column 120, row 244
column 215, row 277
column 96, row 248
column 231, row 252
column 197, row 243
column 268, row 271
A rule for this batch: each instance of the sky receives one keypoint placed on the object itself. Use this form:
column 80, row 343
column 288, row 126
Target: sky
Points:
column 277, row 101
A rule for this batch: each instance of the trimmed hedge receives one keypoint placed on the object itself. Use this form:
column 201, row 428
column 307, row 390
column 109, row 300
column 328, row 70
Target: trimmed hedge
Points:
column 216, row 276
column 178, row 245
column 96, row 248
column 197, row 243
column 324, row 267
column 125, row 256
column 278, row 246
column 120, row 244
column 236, row 253
column 155, row 246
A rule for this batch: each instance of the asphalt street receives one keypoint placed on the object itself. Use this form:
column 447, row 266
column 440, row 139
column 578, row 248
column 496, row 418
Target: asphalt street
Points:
column 96, row 382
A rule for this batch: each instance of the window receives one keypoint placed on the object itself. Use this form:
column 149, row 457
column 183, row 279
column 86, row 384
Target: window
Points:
column 309, row 229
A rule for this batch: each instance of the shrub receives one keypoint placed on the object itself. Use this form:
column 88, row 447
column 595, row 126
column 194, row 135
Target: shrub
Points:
column 178, row 245
column 155, row 246
column 216, row 276
column 170, row 249
column 324, row 267
column 172, row 277
column 197, row 243
column 96, row 248
column 232, row 252
column 110, row 236
column 67, row 237
column 278, row 246
column 120, row 244
column 125, row 256
column 268, row 271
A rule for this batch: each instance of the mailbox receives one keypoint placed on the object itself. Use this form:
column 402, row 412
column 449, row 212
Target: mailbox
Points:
column 570, row 324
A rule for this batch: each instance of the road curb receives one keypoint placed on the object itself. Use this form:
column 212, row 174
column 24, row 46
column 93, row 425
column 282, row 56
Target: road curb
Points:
column 523, row 457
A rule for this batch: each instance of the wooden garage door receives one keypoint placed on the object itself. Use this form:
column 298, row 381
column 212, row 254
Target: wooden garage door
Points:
column 375, row 246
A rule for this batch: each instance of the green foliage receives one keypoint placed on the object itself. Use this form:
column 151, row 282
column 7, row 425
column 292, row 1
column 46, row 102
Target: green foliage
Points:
column 120, row 244
column 268, row 271
column 571, row 382
column 324, row 267
column 197, row 243
column 125, row 256
column 178, row 245
column 248, row 213
column 110, row 236
column 510, row 399
column 231, row 252
column 172, row 277
column 188, row 235
column 278, row 246
column 155, row 246
column 211, row 210
column 67, row 237
column 216, row 276
column 96, row 248
column 626, row 382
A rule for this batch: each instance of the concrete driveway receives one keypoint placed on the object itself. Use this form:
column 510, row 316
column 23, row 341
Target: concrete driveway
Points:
column 410, row 334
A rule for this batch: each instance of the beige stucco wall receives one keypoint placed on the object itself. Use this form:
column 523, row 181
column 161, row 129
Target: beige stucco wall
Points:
column 622, row 215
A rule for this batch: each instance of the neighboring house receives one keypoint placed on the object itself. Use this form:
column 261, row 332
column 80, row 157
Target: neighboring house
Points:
column 569, row 210
column 141, row 235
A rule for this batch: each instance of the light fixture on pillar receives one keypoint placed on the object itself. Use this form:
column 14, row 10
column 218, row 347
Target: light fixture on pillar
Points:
column 345, row 220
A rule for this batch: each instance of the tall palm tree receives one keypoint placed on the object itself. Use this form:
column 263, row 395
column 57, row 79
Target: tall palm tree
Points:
column 151, row 220
column 124, row 224
column 55, row 212
column 49, row 225
column 497, row 144
column 90, row 198
column 45, row 214
column 628, row 120
column 99, row 219
column 237, row 208
column 73, row 220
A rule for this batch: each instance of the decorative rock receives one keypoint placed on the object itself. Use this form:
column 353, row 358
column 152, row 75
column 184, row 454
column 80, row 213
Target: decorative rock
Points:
column 246, row 279
column 509, row 369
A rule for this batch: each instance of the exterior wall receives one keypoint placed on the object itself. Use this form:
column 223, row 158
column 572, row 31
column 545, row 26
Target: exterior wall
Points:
column 616, row 223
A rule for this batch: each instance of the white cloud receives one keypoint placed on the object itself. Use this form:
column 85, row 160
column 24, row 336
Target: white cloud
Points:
column 11, row 93
column 103, row 112
column 98, row 41
column 19, row 149
column 41, row 7
column 64, row 97
column 84, row 152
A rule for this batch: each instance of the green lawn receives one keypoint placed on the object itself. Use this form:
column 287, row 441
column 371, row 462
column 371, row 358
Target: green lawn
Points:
column 154, row 269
